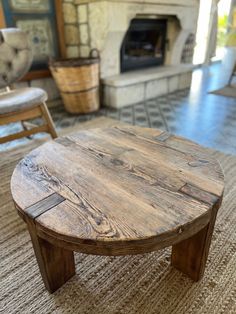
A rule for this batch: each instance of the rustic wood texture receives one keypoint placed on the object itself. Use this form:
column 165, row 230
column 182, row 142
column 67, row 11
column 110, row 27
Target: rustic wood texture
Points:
column 190, row 255
column 44, row 205
column 124, row 190
column 56, row 264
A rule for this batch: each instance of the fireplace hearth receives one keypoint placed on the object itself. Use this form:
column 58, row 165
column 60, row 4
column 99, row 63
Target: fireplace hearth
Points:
column 144, row 44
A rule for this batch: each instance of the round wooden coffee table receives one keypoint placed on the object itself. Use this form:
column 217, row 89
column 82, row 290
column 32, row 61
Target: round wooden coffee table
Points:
column 117, row 191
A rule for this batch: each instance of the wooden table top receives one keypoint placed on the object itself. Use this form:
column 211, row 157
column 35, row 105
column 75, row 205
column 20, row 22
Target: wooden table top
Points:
column 118, row 190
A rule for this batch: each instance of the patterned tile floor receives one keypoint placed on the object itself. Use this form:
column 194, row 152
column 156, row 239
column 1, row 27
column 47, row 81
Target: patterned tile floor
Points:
column 206, row 118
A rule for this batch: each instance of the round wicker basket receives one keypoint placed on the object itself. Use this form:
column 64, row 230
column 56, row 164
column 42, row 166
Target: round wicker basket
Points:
column 78, row 83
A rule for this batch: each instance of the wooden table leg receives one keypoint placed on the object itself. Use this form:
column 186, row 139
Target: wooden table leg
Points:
column 190, row 255
column 56, row 264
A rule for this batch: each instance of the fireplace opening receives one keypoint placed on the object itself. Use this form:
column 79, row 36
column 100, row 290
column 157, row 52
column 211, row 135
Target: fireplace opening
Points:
column 144, row 44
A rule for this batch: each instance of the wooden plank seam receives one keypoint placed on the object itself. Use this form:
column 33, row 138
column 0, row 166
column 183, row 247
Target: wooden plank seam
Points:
column 163, row 136
column 199, row 194
column 42, row 206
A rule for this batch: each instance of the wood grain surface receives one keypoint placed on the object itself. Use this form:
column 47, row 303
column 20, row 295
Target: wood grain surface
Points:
column 116, row 191
column 119, row 190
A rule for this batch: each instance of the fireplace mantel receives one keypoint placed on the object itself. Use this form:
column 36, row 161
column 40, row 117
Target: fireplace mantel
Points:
column 169, row 2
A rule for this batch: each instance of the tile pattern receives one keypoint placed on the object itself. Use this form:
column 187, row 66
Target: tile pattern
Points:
column 205, row 118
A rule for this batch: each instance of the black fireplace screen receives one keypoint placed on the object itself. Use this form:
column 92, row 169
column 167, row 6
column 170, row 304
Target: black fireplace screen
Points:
column 144, row 44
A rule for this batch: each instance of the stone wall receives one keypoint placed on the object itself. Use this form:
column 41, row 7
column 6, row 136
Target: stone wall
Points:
column 77, row 35
column 72, row 38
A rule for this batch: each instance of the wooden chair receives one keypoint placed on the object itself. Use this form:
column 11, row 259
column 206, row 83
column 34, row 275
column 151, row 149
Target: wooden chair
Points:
column 24, row 103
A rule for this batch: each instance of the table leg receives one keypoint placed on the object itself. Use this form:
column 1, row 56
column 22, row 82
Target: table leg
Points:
column 56, row 264
column 190, row 255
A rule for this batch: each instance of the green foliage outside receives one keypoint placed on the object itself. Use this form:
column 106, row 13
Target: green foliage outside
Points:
column 222, row 36
column 226, row 35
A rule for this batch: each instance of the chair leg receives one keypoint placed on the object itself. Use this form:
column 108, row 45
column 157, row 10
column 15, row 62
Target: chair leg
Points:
column 40, row 110
column 19, row 116
column 46, row 115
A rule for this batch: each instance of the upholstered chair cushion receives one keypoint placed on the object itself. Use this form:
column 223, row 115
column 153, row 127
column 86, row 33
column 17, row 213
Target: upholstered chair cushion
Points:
column 15, row 55
column 22, row 98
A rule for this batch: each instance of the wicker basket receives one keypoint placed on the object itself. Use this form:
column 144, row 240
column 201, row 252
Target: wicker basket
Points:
column 78, row 82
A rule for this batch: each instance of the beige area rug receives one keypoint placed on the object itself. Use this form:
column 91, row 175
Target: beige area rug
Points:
column 143, row 284
column 228, row 91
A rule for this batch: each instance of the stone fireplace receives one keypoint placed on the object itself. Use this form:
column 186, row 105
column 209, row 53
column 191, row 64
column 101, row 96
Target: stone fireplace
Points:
column 141, row 45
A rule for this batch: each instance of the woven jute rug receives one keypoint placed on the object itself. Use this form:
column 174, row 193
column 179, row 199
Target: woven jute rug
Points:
column 228, row 91
column 130, row 284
